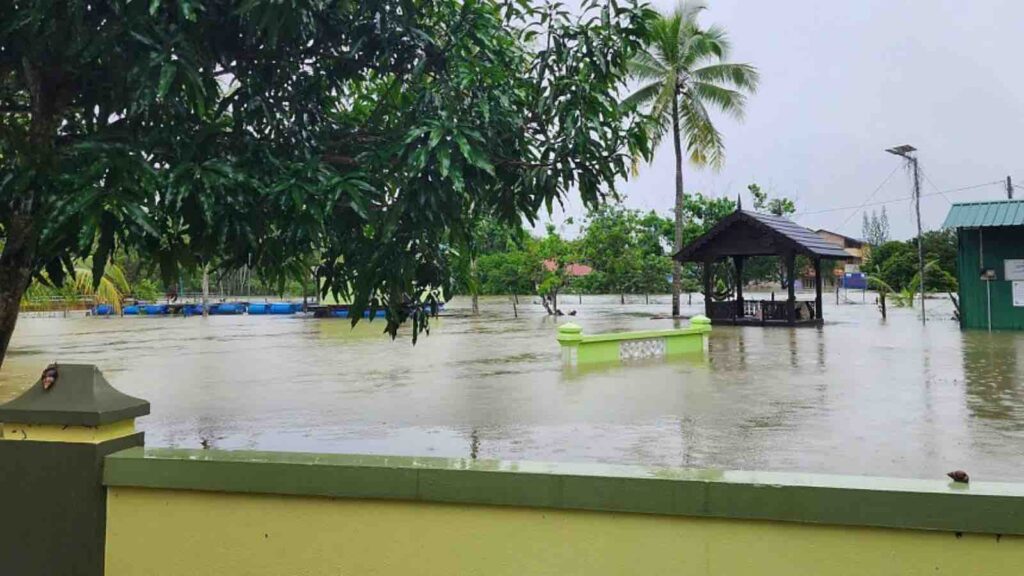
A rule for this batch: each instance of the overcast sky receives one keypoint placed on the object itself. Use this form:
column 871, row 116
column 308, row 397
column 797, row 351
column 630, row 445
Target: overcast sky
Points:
column 844, row 80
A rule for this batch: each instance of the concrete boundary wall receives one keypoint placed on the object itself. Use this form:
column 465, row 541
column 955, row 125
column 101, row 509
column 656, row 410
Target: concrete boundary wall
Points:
column 613, row 347
column 315, row 514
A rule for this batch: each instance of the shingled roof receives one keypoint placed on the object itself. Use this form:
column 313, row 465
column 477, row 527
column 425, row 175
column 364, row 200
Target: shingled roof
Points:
column 745, row 233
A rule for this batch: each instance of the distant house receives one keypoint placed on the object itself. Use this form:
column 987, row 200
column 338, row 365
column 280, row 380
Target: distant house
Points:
column 573, row 270
column 859, row 249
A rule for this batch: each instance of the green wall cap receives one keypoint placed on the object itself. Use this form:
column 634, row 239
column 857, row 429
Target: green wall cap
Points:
column 699, row 320
column 570, row 328
column 81, row 396
column 981, row 507
column 569, row 333
column 646, row 334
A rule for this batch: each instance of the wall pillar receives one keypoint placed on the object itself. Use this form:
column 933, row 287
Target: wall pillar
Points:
column 52, row 444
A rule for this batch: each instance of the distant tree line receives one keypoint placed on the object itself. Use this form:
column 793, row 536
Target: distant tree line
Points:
column 895, row 263
column 628, row 251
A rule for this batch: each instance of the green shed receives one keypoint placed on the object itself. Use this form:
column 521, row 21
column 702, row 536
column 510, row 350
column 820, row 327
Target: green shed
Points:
column 990, row 263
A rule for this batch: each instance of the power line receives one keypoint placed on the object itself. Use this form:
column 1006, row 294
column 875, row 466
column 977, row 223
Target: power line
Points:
column 872, row 195
column 951, row 191
column 944, row 197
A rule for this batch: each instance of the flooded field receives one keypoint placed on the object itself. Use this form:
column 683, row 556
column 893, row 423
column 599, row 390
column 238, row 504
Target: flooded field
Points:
column 858, row 396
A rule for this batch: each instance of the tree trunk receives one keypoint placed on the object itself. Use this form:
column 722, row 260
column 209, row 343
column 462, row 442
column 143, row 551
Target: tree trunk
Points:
column 15, row 275
column 21, row 237
column 305, row 293
column 515, row 312
column 206, row 290
column 622, row 299
column 547, row 306
column 677, row 267
column 476, row 287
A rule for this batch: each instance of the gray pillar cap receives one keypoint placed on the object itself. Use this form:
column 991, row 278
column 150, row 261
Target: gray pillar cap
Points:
column 80, row 397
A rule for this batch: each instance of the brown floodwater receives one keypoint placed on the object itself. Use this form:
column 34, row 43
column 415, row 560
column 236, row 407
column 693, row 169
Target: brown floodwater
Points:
column 858, row 396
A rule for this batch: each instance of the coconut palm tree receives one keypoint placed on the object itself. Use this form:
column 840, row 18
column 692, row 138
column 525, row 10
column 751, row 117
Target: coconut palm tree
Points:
column 683, row 73
column 112, row 288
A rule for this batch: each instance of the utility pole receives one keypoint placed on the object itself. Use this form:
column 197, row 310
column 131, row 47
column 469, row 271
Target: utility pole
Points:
column 1009, row 188
column 906, row 152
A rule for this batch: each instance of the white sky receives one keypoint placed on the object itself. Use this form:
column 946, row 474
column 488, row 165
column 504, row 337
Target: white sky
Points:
column 844, row 80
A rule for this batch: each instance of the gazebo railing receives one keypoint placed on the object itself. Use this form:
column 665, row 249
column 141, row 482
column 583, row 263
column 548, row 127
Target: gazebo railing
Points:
column 773, row 310
column 751, row 308
column 764, row 310
column 723, row 309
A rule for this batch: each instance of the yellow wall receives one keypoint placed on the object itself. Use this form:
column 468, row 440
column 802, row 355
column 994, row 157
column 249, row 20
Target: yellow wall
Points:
column 163, row 532
column 59, row 433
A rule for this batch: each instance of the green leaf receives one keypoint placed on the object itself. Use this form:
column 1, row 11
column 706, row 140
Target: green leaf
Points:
column 167, row 74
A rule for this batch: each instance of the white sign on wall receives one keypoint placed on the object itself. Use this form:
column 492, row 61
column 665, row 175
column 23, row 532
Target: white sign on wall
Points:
column 1018, row 294
column 1014, row 270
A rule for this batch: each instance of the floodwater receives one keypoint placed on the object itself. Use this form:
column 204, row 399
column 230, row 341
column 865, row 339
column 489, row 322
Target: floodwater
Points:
column 858, row 396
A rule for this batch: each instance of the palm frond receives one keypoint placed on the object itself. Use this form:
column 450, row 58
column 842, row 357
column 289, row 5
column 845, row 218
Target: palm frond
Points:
column 644, row 95
column 105, row 293
column 689, row 10
column 741, row 76
column 717, row 40
column 645, row 66
column 118, row 277
column 704, row 143
column 729, row 101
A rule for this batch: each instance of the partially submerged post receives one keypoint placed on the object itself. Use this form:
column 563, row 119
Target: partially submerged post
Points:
column 52, row 443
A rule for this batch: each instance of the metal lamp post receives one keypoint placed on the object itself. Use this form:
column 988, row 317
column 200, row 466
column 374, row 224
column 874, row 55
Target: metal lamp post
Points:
column 906, row 152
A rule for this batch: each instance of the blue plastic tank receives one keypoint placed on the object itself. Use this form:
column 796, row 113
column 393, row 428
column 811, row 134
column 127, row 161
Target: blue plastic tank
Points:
column 281, row 308
column 226, row 308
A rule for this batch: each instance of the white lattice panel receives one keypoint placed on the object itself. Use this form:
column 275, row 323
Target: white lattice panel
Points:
column 641, row 349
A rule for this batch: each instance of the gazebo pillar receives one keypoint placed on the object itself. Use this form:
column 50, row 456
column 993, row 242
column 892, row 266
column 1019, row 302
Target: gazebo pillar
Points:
column 707, row 288
column 791, row 278
column 738, row 262
column 818, row 316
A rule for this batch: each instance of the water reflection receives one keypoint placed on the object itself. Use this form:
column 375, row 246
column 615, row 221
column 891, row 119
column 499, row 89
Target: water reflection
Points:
column 856, row 396
column 994, row 378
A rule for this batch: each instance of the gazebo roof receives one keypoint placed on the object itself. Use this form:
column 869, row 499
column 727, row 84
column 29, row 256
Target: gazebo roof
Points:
column 745, row 233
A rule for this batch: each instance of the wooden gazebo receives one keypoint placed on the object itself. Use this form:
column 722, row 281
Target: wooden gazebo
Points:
column 743, row 234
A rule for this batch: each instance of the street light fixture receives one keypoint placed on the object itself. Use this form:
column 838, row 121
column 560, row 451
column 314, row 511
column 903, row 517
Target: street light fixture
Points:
column 906, row 152
column 902, row 150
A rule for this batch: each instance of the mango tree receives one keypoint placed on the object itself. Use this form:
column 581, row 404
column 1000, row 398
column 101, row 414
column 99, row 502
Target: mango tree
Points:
column 371, row 134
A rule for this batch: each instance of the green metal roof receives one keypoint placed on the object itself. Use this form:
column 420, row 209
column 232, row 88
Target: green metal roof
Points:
column 986, row 214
